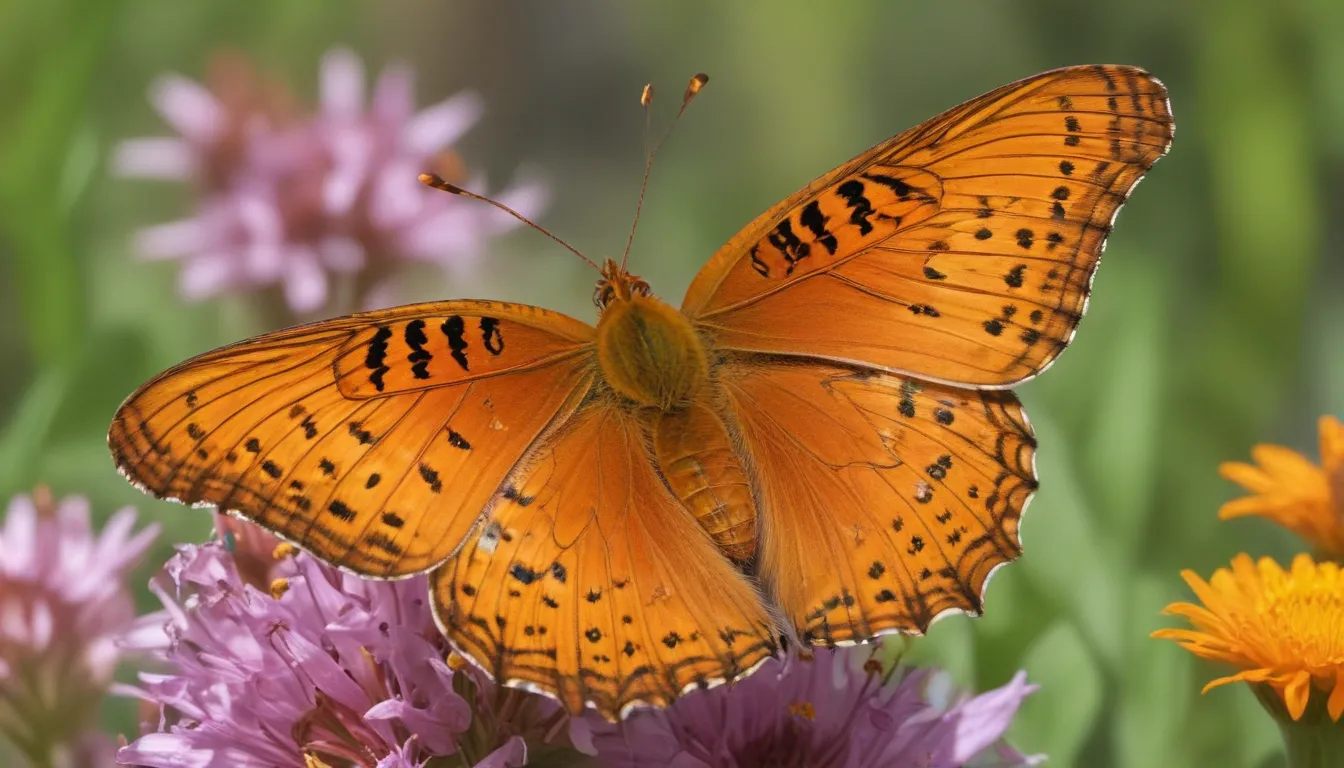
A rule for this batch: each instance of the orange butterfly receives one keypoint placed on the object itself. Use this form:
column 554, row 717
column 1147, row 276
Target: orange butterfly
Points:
column 820, row 444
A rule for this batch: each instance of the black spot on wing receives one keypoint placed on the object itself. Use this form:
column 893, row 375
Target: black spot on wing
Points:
column 860, row 207
column 457, row 440
column 419, row 357
column 812, row 218
column 455, row 329
column 340, row 510
column 431, row 478
column 376, row 355
column 491, row 336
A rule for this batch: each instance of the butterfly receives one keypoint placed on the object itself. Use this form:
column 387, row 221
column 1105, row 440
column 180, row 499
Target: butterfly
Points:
column 819, row 445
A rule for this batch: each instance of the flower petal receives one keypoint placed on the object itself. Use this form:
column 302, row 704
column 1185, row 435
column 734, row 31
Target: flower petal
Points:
column 442, row 124
column 189, row 108
column 155, row 158
column 1331, row 432
column 341, row 83
column 1249, row 476
column 982, row 720
column 1296, row 693
column 513, row 754
column 305, row 283
column 1335, row 705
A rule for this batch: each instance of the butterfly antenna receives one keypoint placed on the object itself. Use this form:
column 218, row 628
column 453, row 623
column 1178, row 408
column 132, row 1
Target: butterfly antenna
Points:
column 437, row 182
column 646, row 99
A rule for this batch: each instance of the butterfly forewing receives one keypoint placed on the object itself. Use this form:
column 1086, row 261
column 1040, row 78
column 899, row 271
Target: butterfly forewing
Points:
column 589, row 580
column 886, row 500
column 962, row 250
column 385, row 485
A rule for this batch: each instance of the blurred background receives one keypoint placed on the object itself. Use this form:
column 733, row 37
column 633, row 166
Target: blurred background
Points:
column 1217, row 319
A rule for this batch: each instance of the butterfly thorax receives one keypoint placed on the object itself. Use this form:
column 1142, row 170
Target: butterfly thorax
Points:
column 647, row 349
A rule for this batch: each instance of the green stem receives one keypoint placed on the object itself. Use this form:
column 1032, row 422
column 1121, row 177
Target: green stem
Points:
column 1311, row 741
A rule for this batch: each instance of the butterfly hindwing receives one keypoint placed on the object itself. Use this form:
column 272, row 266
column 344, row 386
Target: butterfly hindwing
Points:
column 588, row 580
column 885, row 501
column 961, row 250
column 284, row 430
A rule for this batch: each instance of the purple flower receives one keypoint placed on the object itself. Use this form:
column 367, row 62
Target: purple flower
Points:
column 285, row 200
column 834, row 708
column 63, row 607
column 323, row 668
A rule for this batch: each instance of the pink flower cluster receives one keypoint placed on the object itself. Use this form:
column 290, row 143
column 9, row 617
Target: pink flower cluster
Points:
column 842, row 708
column 321, row 666
column 287, row 199
column 63, row 609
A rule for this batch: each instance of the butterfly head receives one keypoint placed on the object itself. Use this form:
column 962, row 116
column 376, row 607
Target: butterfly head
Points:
column 647, row 348
column 618, row 285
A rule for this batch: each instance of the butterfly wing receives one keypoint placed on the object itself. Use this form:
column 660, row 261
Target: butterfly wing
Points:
column 887, row 501
column 374, row 441
column 961, row 250
column 587, row 579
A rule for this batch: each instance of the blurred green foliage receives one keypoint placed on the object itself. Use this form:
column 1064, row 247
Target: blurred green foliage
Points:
column 1216, row 322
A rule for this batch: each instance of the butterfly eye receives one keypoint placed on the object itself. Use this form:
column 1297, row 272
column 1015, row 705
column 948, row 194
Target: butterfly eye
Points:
column 603, row 294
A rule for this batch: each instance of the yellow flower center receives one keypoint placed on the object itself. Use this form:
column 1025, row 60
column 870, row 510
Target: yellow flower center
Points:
column 1298, row 622
column 803, row 709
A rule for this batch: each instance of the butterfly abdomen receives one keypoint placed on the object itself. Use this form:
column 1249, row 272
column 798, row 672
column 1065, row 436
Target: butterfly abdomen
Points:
column 650, row 353
column 696, row 455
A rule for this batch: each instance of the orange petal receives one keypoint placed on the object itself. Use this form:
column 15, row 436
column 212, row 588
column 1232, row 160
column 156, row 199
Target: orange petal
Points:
column 1327, row 572
column 1336, row 703
column 1286, row 465
column 1304, row 567
column 1248, row 476
column 1271, row 573
column 1331, row 432
column 1207, row 594
column 1296, row 693
column 1243, row 578
column 1202, row 618
column 1248, row 675
column 1246, row 506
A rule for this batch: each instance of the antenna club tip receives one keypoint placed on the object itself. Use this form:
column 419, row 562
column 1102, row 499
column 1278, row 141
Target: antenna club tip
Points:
column 697, row 82
column 646, row 96
column 437, row 182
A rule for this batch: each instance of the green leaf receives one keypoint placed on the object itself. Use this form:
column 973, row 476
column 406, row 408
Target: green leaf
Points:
column 1157, row 687
column 1121, row 457
column 1062, row 552
column 26, row 433
column 1059, row 718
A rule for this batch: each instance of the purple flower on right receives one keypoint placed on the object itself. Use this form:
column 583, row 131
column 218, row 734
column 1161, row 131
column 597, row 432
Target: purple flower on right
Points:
column 832, row 708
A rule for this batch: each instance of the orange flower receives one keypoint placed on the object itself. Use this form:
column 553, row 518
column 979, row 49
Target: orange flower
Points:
column 1285, row 630
column 1288, row 489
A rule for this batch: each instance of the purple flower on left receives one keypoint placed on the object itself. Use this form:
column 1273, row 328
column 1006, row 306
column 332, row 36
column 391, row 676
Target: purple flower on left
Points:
column 287, row 198
column 63, row 610
column 281, row 660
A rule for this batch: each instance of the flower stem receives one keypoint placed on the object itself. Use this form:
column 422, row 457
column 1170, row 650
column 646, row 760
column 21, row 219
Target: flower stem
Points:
column 1312, row 741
